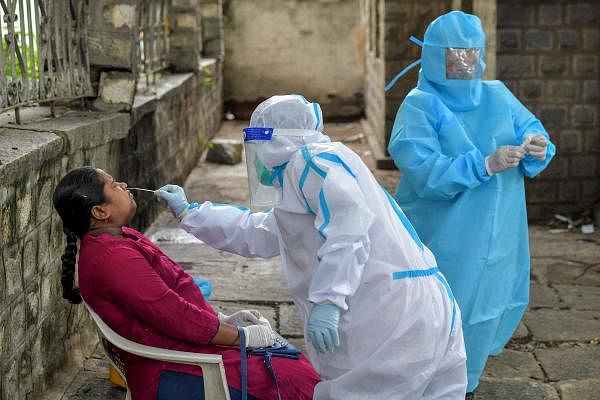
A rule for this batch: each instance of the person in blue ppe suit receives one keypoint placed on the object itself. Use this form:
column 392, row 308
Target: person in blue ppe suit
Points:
column 464, row 146
column 380, row 319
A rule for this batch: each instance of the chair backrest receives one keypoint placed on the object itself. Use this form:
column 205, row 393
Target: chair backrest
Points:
column 111, row 352
column 215, row 382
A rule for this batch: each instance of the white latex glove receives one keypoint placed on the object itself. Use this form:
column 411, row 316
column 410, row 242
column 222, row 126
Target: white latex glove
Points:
column 175, row 198
column 244, row 318
column 535, row 145
column 503, row 158
column 258, row 336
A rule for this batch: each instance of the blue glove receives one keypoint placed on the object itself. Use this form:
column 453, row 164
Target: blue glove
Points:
column 175, row 197
column 204, row 286
column 323, row 327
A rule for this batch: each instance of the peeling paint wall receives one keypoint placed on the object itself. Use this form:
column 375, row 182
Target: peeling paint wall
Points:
column 314, row 47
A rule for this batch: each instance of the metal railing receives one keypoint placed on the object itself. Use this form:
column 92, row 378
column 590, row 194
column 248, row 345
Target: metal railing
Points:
column 44, row 54
column 154, row 38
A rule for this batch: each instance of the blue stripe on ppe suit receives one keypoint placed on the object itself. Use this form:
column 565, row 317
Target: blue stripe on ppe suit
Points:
column 417, row 273
column 476, row 225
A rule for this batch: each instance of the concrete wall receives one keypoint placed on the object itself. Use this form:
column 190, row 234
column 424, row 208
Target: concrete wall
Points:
column 162, row 145
column 373, row 19
column 315, row 48
column 41, row 334
column 548, row 55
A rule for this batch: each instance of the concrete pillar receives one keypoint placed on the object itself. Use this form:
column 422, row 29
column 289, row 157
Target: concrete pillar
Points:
column 186, row 35
column 212, row 29
column 112, row 34
column 403, row 18
column 113, row 49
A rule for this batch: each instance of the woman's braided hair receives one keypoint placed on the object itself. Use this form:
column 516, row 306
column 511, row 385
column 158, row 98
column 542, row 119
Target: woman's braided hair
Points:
column 74, row 196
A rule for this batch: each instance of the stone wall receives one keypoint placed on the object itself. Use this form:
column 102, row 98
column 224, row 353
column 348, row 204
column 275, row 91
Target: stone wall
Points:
column 157, row 140
column 548, row 55
column 315, row 48
column 39, row 332
column 212, row 29
column 156, row 143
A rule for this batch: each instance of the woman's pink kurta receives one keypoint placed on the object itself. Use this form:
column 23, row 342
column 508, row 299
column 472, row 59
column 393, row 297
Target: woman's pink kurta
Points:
column 146, row 297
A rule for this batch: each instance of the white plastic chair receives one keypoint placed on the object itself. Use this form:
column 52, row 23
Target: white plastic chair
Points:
column 213, row 372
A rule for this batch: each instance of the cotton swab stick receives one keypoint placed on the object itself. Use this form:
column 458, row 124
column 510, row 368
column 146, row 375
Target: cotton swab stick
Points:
column 143, row 190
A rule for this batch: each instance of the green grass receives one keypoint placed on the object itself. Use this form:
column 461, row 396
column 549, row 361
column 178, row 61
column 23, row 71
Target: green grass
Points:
column 8, row 71
column 207, row 79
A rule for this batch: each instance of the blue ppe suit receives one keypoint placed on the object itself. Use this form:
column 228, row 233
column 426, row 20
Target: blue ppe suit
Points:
column 475, row 224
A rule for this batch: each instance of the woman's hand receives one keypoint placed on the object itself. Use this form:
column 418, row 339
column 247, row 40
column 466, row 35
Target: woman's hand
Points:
column 244, row 318
column 259, row 336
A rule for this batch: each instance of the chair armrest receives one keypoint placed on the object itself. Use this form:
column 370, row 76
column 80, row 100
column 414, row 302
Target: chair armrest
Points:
column 213, row 371
column 154, row 353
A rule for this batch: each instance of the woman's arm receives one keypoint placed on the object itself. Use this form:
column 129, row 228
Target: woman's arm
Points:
column 227, row 335
column 133, row 283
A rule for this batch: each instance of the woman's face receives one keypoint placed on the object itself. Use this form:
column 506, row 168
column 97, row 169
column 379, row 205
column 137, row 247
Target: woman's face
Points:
column 119, row 201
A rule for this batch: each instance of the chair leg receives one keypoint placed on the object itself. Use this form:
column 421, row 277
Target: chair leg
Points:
column 214, row 382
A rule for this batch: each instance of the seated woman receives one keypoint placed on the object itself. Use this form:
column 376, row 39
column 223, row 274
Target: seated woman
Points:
column 146, row 297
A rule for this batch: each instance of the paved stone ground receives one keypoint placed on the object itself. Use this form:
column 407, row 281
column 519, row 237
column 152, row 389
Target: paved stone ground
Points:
column 553, row 355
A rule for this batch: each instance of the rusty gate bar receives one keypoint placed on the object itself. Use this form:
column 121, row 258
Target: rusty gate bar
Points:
column 44, row 54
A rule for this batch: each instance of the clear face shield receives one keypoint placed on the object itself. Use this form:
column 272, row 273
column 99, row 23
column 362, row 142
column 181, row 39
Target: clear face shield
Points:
column 267, row 151
column 463, row 64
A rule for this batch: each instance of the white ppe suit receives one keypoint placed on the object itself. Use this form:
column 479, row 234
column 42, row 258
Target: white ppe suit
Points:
column 343, row 239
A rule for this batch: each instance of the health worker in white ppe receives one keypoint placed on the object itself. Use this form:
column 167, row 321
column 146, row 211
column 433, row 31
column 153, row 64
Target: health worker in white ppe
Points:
column 380, row 319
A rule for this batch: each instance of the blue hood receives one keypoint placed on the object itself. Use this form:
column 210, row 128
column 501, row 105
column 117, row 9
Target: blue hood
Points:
column 457, row 30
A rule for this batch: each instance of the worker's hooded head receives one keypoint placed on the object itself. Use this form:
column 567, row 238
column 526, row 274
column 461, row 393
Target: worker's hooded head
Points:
column 279, row 127
column 452, row 60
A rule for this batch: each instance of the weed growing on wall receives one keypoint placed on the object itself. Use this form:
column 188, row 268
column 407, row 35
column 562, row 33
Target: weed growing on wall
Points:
column 207, row 78
column 205, row 143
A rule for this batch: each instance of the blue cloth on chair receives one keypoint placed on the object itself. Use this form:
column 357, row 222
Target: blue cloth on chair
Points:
column 204, row 285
